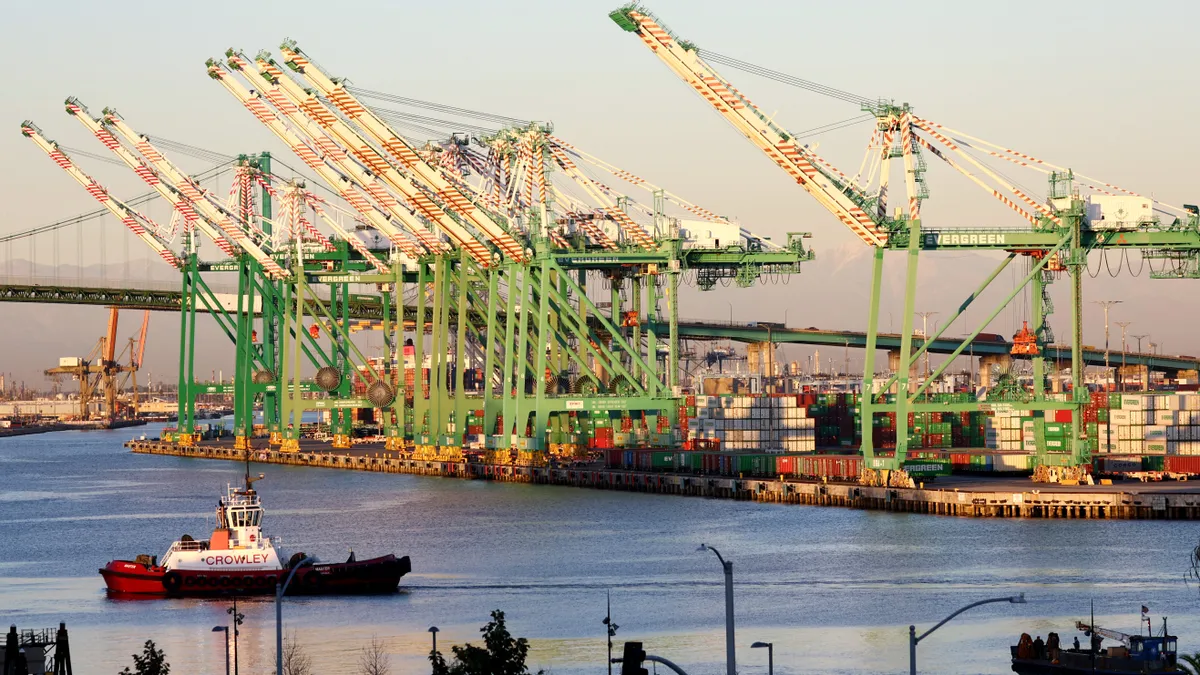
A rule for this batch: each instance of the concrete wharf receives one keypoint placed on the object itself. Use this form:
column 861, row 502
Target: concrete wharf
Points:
column 964, row 496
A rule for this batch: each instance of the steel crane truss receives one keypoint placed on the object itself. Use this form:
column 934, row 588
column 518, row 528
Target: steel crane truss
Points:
column 491, row 272
column 1062, row 229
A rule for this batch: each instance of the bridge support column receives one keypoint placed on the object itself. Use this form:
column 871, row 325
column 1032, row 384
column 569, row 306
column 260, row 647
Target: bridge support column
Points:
column 987, row 363
column 895, row 364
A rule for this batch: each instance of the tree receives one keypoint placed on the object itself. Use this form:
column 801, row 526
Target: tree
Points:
column 1190, row 663
column 502, row 654
column 295, row 660
column 373, row 659
column 152, row 661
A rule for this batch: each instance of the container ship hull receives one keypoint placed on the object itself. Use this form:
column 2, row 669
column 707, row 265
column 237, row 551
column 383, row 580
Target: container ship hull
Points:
column 373, row 576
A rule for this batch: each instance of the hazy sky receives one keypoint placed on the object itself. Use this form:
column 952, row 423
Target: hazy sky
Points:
column 1107, row 88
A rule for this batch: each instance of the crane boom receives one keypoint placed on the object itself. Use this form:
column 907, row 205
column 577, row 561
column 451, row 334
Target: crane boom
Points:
column 802, row 164
column 1089, row 629
column 128, row 217
column 141, row 349
column 342, row 184
column 321, row 125
column 190, row 191
column 452, row 199
column 340, row 138
column 110, row 343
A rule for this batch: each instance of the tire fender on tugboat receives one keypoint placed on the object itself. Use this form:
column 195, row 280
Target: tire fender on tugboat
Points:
column 172, row 581
column 313, row 579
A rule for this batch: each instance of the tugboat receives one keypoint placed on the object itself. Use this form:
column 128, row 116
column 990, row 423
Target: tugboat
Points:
column 238, row 559
column 1135, row 655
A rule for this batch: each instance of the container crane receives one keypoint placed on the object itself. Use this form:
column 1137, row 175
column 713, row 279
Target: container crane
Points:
column 145, row 229
column 432, row 177
column 340, row 182
column 1059, row 233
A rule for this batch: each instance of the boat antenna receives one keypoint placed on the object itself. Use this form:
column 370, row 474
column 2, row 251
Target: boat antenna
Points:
column 250, row 481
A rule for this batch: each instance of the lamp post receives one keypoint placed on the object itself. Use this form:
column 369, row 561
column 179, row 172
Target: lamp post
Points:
column 224, row 629
column 280, row 589
column 770, row 654
column 913, row 639
column 433, row 630
column 1124, row 326
column 610, row 628
column 924, row 339
column 237, row 621
column 727, row 566
column 1106, row 304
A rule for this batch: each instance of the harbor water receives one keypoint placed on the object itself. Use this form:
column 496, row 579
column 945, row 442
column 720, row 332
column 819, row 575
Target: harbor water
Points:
column 833, row 589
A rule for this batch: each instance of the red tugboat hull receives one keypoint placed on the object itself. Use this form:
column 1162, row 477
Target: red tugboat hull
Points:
column 377, row 575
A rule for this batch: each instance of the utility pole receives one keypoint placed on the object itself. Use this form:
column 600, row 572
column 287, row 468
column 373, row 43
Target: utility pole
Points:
column 925, row 335
column 1106, row 304
column 1124, row 326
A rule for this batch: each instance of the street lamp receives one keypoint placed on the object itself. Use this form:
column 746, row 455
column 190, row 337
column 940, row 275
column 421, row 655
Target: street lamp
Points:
column 924, row 338
column 433, row 630
column 913, row 639
column 1106, row 304
column 727, row 566
column 770, row 654
column 225, row 629
column 280, row 589
column 611, row 628
column 1124, row 350
column 237, row 621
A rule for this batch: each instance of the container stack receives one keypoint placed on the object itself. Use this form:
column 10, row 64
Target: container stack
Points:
column 767, row 423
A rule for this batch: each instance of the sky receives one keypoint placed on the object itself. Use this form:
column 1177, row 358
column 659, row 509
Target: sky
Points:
column 1104, row 87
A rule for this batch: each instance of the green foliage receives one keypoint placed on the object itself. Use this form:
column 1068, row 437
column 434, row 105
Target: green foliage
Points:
column 502, row 654
column 152, row 661
column 1190, row 663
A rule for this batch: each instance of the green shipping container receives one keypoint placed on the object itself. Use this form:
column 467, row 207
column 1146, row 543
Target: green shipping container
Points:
column 926, row 468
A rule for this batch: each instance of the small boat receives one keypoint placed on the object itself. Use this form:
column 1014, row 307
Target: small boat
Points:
column 1135, row 655
column 238, row 559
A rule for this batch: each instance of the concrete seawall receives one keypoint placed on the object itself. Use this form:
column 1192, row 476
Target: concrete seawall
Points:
column 976, row 498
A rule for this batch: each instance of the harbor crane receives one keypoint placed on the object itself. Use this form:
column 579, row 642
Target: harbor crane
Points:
column 1077, row 215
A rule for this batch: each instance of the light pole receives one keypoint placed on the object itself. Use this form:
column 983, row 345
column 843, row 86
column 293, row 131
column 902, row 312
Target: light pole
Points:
column 433, row 630
column 770, row 654
column 611, row 628
column 730, row 312
column 727, row 565
column 1106, row 304
column 1124, row 326
column 280, row 589
column 913, row 639
column 1139, row 339
column 237, row 621
column 925, row 338
column 224, row 629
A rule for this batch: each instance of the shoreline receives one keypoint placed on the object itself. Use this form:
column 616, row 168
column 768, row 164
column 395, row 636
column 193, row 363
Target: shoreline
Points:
column 961, row 497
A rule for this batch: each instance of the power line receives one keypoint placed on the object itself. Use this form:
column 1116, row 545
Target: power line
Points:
column 792, row 80
column 75, row 220
column 439, row 107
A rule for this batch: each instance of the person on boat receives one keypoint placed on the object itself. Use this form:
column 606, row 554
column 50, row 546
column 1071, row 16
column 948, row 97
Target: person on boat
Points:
column 1025, row 647
column 1052, row 647
column 1076, row 643
column 1039, row 648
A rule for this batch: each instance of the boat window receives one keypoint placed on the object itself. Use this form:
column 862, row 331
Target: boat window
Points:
column 1170, row 646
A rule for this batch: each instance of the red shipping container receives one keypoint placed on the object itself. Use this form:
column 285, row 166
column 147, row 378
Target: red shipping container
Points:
column 1062, row 415
column 786, row 465
column 1182, row 463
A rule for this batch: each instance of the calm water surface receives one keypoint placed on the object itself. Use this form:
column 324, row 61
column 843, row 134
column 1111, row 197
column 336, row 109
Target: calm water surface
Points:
column 834, row 589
